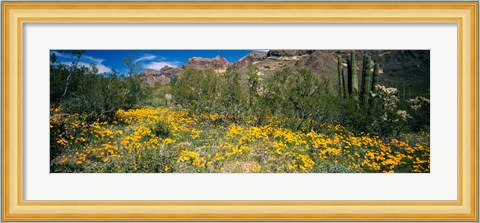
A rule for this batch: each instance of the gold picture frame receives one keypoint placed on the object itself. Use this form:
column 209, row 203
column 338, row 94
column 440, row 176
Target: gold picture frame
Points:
column 16, row 14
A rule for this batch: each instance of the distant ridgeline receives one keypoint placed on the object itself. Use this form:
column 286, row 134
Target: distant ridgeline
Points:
column 406, row 70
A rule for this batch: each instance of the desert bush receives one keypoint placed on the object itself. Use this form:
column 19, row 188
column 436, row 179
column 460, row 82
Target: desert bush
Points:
column 254, row 86
column 393, row 119
column 64, row 78
column 156, row 95
column 208, row 92
column 299, row 95
column 100, row 96
column 419, row 109
column 276, row 92
column 233, row 94
column 386, row 114
column 77, row 88
column 161, row 129
column 302, row 100
column 198, row 91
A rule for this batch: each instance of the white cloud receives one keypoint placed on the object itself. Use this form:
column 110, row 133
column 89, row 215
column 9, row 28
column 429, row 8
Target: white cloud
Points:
column 146, row 57
column 85, row 61
column 157, row 65
column 93, row 59
column 262, row 51
column 101, row 68
column 83, row 58
column 63, row 55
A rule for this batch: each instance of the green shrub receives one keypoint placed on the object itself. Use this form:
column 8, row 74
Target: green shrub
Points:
column 100, row 96
column 233, row 98
column 64, row 78
column 198, row 91
column 76, row 88
column 419, row 109
column 161, row 129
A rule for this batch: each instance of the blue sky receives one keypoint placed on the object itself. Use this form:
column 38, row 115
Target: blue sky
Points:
column 107, row 60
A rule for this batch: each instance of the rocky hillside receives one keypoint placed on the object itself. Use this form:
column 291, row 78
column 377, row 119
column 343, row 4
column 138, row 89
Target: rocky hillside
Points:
column 218, row 64
column 399, row 68
column 164, row 75
column 252, row 57
column 407, row 70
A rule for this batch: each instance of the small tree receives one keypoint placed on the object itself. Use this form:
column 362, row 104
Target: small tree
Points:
column 101, row 95
column 64, row 77
column 303, row 97
column 187, row 88
column 78, row 88
column 133, row 67
column 253, row 84
column 198, row 90
column 276, row 87
column 233, row 94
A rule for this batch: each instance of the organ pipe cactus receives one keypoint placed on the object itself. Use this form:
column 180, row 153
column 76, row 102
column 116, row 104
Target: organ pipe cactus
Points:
column 352, row 76
column 369, row 79
column 341, row 81
column 376, row 76
column 366, row 79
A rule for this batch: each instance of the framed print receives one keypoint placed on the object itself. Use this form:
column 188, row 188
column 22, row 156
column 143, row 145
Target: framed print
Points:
column 279, row 111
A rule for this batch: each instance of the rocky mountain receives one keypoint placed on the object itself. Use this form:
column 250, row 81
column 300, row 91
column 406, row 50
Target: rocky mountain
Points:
column 164, row 75
column 288, row 53
column 321, row 62
column 218, row 64
column 252, row 57
column 398, row 67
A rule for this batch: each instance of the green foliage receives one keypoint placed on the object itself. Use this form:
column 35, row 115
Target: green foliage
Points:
column 298, row 95
column 133, row 67
column 198, row 146
column 77, row 88
column 366, row 80
column 64, row 78
column 341, row 80
column 276, row 91
column 382, row 110
column 352, row 76
column 376, row 76
column 233, row 94
column 237, row 121
column 100, row 96
column 208, row 92
column 156, row 95
column 197, row 90
column 161, row 129
column 390, row 117
column 305, row 100
column 419, row 109
column 253, row 85
column 348, row 113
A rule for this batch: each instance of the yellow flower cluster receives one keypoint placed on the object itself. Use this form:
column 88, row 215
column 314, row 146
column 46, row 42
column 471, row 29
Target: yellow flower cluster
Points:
column 193, row 157
column 186, row 142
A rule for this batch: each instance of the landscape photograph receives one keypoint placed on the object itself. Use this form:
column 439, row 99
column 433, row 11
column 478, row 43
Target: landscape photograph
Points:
column 240, row 111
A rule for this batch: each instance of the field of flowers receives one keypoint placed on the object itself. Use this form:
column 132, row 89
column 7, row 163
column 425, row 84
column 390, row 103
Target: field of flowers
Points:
column 175, row 141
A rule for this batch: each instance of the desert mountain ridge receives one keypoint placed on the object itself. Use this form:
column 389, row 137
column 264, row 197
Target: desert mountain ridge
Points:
column 397, row 66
